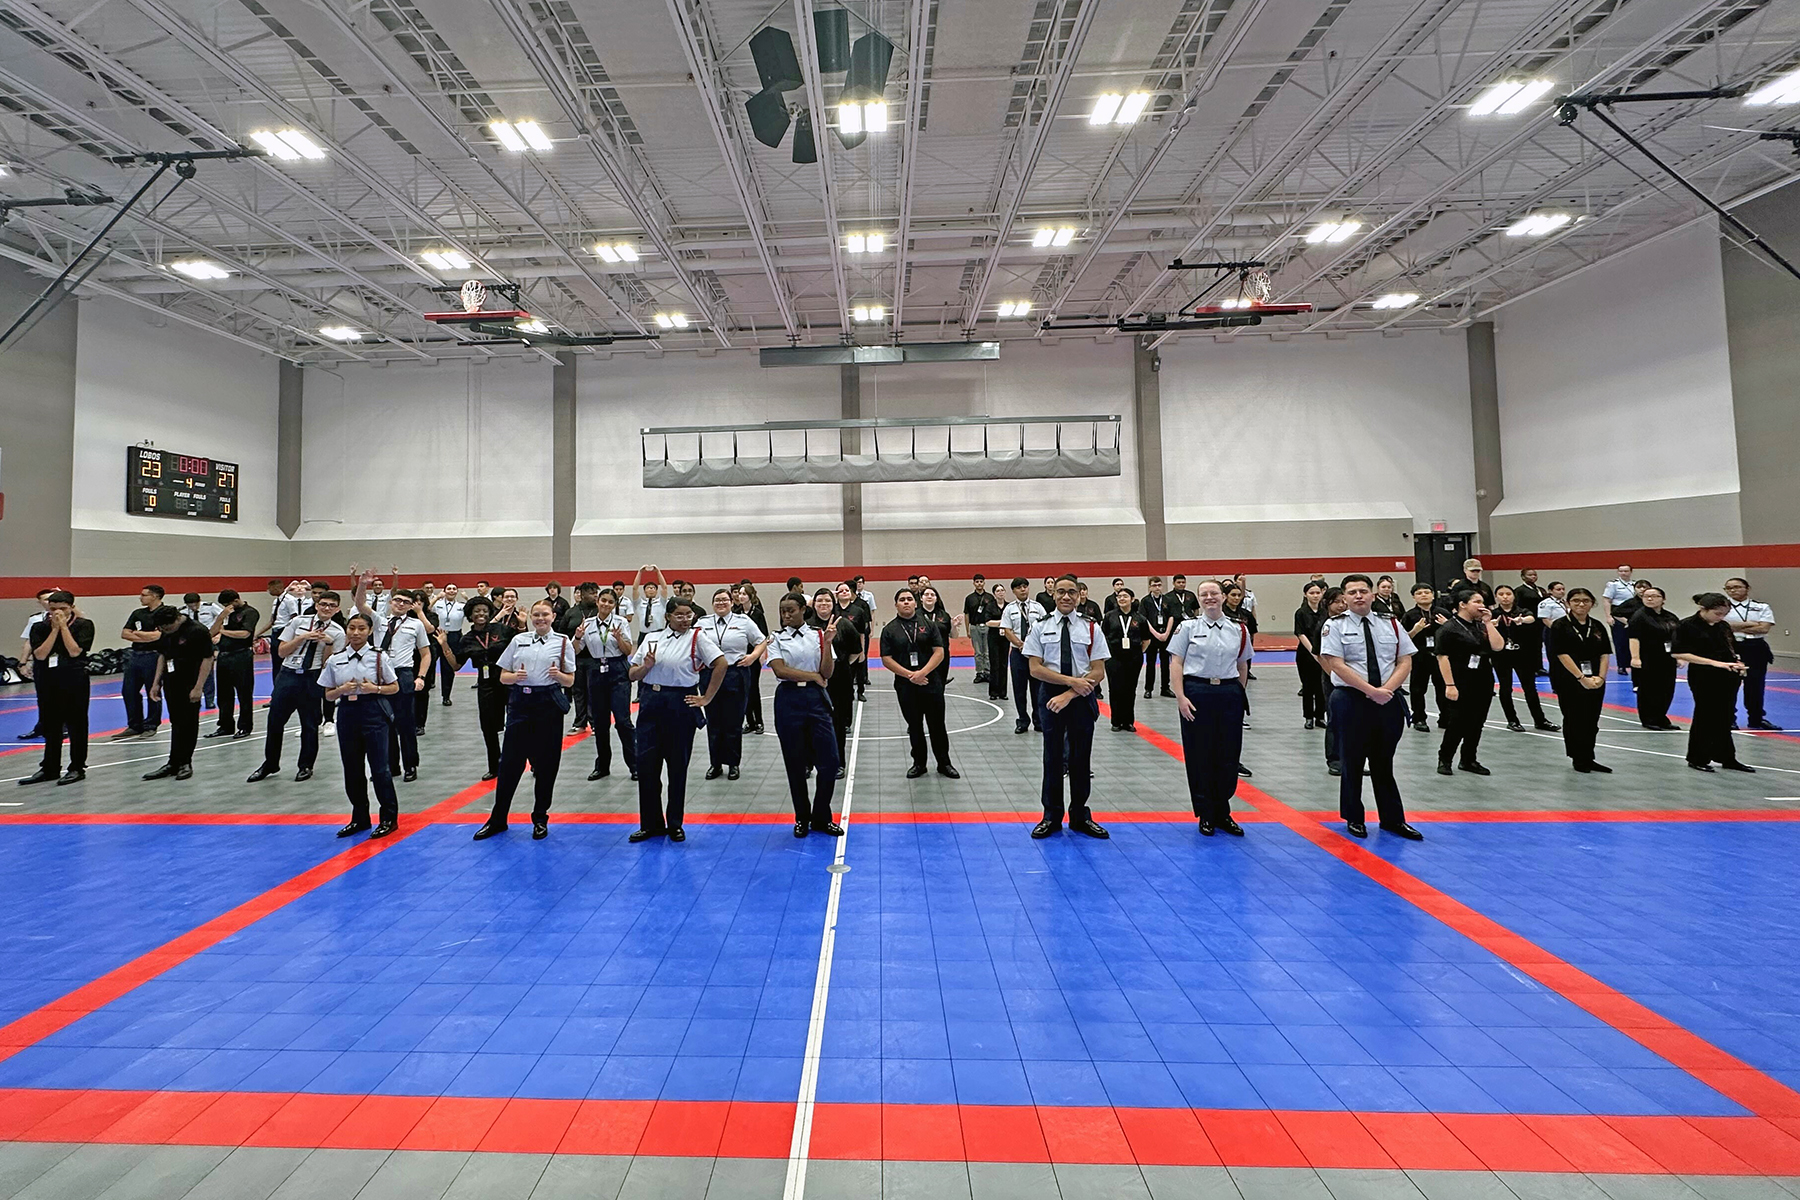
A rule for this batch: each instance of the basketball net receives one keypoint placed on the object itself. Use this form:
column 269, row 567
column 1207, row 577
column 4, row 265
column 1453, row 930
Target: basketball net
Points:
column 474, row 295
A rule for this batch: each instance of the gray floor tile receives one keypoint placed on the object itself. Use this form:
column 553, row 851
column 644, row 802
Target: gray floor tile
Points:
column 415, row 1175
column 663, row 1178
column 1190, row 1183
column 1369, row 1185
column 843, row 1179
column 1644, row 1187
column 249, row 1173
column 169, row 1172
column 1544, row 1185
column 1279, row 1183
column 492, row 1176
column 1101, row 1181
column 328, row 1173
column 1460, row 1185
column 86, row 1173
column 1737, row 1187
column 583, row 1177
column 924, row 1181
column 748, row 1179
column 22, row 1162
column 1011, row 1181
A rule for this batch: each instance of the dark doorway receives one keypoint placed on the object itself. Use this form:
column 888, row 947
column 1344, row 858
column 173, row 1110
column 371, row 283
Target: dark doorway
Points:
column 1441, row 562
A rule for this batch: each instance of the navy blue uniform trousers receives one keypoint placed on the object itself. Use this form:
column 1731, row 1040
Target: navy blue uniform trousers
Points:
column 362, row 733
column 725, row 721
column 1368, row 733
column 296, row 694
column 403, row 736
column 803, row 722
column 1069, row 742
column 1212, row 743
column 534, row 734
column 609, row 703
column 665, row 737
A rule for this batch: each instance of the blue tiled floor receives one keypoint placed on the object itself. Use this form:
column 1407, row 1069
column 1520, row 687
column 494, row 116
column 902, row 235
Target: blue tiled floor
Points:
column 1161, row 969
column 79, row 901
column 1697, row 921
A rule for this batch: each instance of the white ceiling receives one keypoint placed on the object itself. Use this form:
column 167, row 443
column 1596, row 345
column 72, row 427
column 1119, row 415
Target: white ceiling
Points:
column 1268, row 116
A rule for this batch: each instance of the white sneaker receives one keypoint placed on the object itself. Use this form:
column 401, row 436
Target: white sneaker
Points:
column 329, row 729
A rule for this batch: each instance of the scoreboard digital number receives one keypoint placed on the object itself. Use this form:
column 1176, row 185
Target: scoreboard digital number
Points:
column 161, row 483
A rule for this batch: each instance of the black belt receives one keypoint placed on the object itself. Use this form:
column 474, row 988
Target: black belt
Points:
column 688, row 690
column 1219, row 681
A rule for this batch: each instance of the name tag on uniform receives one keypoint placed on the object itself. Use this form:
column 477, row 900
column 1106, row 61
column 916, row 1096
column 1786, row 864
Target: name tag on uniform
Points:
column 1587, row 668
column 1474, row 662
column 912, row 659
column 51, row 661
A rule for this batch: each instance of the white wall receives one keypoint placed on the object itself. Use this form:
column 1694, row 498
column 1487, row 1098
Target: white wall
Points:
column 1615, row 386
column 403, row 452
column 1070, row 378
column 618, row 397
column 1261, row 431
column 185, row 390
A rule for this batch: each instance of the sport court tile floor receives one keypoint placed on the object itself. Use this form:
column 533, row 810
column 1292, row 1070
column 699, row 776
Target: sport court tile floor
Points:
column 1574, row 987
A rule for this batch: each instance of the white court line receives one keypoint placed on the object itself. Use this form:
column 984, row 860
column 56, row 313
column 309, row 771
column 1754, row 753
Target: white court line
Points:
column 999, row 714
column 123, row 762
column 1657, row 753
column 801, row 1146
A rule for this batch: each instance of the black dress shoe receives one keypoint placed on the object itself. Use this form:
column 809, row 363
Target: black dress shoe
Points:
column 418, row 731
column 352, row 829
column 1333, row 769
column 385, row 829
column 1309, row 723
column 1588, row 768
column 1404, row 831
column 489, row 777
column 1599, row 768
column 489, row 829
column 162, row 772
column 597, row 774
column 241, row 734
column 714, row 771
column 1045, row 828
column 540, row 830
column 1357, row 829
column 830, row 829
column 801, row 828
column 1090, row 827
column 1244, row 772
column 644, row 835
column 303, row 774
column 1549, row 726
column 1444, row 768
column 1229, row 825
column 72, row 775
column 41, row 775
column 1473, row 768
column 1147, row 696
column 124, row 735
column 677, row 834
column 1707, row 767
column 731, row 772
column 757, row 729
column 843, row 772
column 412, row 773
column 1022, row 726
column 217, row 733
column 184, row 772
column 948, row 771
column 634, row 777
column 1206, row 827
column 1166, row 694
column 257, row 776
column 1515, row 727
column 1422, row 725
column 1738, row 766
column 446, row 702
column 916, row 770
column 1766, row 724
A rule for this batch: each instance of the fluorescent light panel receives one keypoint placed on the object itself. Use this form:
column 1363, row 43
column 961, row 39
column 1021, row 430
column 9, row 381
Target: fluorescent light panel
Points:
column 341, row 333
column 199, row 268
column 1063, row 237
column 288, row 145
column 875, row 116
column 1509, row 97
column 1396, row 300
column 534, row 135
column 616, row 252
column 520, row 136
column 1133, row 108
column 1014, row 308
column 1784, row 89
column 1106, row 107
column 863, row 313
column 1331, row 231
column 1538, row 224
column 447, row 260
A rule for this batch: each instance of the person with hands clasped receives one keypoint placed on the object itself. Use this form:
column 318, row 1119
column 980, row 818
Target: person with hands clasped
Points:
column 361, row 680
column 1580, row 649
column 804, row 659
column 1466, row 646
column 1067, row 654
column 405, row 639
column 1704, row 642
column 1210, row 655
column 1369, row 658
column 912, row 649
column 607, row 635
column 1523, row 632
column 741, row 642
column 484, row 640
column 537, row 667
column 671, row 707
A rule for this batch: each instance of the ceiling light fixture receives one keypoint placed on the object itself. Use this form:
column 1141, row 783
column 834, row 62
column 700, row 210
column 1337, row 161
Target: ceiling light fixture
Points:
column 864, row 313
column 447, row 260
column 1332, row 232
column 289, row 145
column 1063, row 236
column 1509, row 97
column 1133, row 108
column 199, row 268
column 1014, row 308
column 1396, row 300
column 1106, row 107
column 341, row 333
column 616, row 252
column 856, row 116
column 520, row 136
column 532, row 325
column 671, row 320
column 866, row 243
column 1538, row 224
column 1784, row 89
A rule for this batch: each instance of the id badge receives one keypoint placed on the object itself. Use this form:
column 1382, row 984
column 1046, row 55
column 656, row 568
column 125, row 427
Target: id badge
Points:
column 51, row 661
column 1587, row 668
column 912, row 660
column 1474, row 662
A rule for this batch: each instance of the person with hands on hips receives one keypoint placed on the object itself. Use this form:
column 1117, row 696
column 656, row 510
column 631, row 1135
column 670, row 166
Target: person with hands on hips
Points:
column 536, row 667
column 1369, row 658
column 671, row 707
column 361, row 680
column 1067, row 654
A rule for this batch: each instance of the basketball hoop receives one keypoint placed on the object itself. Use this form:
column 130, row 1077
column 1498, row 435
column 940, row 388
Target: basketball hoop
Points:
column 474, row 295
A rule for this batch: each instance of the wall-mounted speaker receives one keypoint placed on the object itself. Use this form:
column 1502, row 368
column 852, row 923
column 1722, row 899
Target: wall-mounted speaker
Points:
column 804, row 149
column 768, row 112
column 776, row 63
column 831, row 29
column 869, row 60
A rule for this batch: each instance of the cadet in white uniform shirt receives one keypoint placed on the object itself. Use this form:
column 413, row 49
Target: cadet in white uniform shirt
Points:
column 741, row 642
column 1615, row 593
column 1016, row 622
column 403, row 638
column 1066, row 653
column 667, row 666
column 360, row 679
column 304, row 644
column 1369, row 657
column 1210, row 654
column 448, row 608
column 203, row 613
column 607, row 635
column 800, row 655
column 537, row 666
column 1751, row 622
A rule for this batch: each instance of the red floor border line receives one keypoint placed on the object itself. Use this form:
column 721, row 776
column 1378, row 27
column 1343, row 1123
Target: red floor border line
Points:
column 949, row 1133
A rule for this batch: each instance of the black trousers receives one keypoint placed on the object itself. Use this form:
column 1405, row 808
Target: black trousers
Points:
column 184, row 724
column 1656, row 691
column 803, row 722
column 999, row 673
column 447, row 671
column 609, row 704
column 923, row 707
column 237, row 689
column 1580, row 717
column 665, row 738
column 1757, row 656
column 1715, row 705
column 1211, row 745
column 534, row 735
column 62, row 711
column 1068, row 744
column 1621, row 640
column 1464, row 720
column 1523, row 663
column 1424, row 674
column 1154, row 653
column 403, row 736
column 297, row 694
column 753, row 701
column 1121, row 684
column 1025, row 690
column 1332, row 749
column 141, row 712
column 362, row 733
column 578, row 695
column 490, row 701
column 725, row 721
column 841, row 691
column 1367, row 735
column 1312, row 686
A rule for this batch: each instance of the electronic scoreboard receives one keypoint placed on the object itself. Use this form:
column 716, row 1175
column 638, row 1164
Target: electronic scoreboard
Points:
column 161, row 483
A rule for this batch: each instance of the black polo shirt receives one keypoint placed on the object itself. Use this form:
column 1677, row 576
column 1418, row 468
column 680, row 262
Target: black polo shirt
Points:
column 909, row 641
column 184, row 647
column 242, row 617
column 143, row 620
column 59, row 666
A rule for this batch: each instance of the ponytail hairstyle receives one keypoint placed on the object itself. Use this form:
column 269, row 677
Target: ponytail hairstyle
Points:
column 1710, row 600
